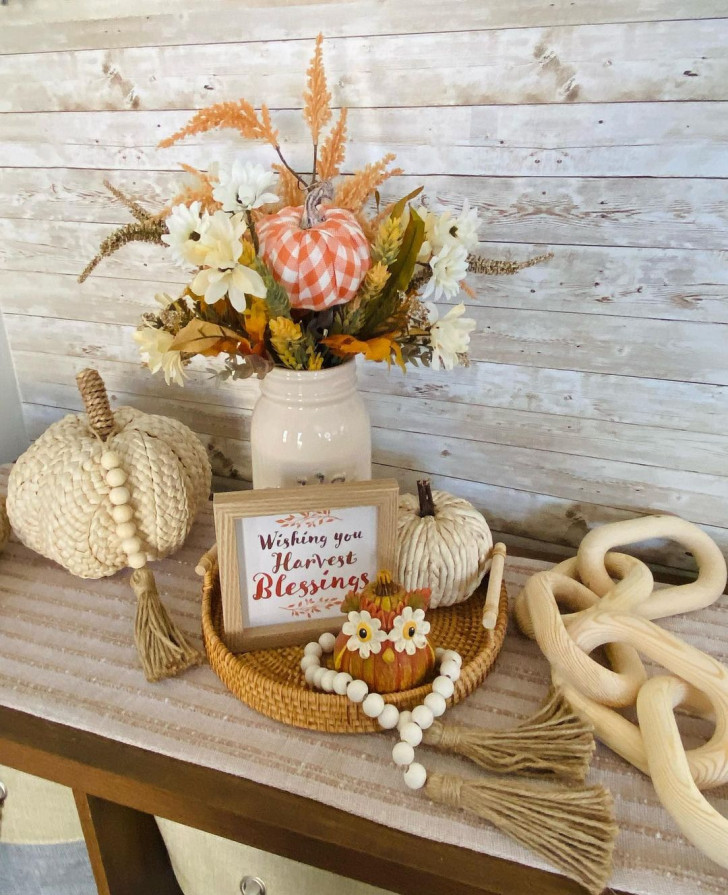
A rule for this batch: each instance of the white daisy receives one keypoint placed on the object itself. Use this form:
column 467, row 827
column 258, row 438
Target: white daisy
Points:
column 154, row 349
column 184, row 224
column 466, row 227
column 409, row 631
column 364, row 632
column 449, row 268
column 449, row 336
column 245, row 186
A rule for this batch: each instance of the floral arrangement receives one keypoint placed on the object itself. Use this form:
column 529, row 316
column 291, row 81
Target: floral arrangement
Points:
column 299, row 271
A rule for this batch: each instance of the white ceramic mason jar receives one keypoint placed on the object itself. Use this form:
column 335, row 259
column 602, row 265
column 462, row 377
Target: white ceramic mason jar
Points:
column 310, row 428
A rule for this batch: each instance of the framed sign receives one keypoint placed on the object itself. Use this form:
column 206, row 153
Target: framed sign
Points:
column 288, row 557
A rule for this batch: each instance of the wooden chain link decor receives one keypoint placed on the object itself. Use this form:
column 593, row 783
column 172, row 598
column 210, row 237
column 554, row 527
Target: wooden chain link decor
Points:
column 619, row 615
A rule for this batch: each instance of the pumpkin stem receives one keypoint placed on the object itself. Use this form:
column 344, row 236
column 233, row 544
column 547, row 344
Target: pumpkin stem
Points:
column 316, row 195
column 385, row 586
column 427, row 503
column 96, row 402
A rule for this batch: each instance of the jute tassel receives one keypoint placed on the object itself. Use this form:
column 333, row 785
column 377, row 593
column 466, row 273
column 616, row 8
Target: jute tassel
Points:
column 163, row 649
column 574, row 829
column 554, row 742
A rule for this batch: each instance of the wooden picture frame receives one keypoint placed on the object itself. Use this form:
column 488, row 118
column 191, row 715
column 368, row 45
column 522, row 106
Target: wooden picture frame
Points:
column 290, row 544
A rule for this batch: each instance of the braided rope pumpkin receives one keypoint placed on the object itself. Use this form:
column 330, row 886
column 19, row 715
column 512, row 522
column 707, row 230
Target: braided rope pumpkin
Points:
column 112, row 490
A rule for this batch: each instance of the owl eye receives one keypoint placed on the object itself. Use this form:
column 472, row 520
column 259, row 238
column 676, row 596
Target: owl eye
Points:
column 364, row 633
column 409, row 631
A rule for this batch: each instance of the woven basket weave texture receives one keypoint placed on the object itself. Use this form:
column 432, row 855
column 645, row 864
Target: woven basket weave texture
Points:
column 271, row 681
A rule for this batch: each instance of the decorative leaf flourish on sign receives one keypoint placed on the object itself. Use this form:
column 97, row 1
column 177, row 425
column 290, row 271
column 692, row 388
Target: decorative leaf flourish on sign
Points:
column 309, row 519
column 309, row 607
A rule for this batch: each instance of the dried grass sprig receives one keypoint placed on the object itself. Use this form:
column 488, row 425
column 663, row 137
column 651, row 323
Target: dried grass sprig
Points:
column 134, row 207
column 354, row 192
column 190, row 194
column 495, row 267
column 388, row 241
column 317, row 98
column 150, row 230
column 333, row 149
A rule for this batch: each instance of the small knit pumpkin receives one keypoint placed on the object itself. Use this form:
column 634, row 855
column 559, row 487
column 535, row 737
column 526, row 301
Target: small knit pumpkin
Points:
column 320, row 257
column 443, row 543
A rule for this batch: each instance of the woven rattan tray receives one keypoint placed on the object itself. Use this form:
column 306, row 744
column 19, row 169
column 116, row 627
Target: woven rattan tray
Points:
column 272, row 682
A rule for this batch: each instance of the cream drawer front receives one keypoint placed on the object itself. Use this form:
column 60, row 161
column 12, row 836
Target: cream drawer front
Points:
column 205, row 863
column 37, row 811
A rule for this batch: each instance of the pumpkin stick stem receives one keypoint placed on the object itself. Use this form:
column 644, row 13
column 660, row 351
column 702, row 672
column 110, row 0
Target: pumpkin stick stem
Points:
column 96, row 402
column 427, row 504
column 492, row 595
column 163, row 649
column 316, row 195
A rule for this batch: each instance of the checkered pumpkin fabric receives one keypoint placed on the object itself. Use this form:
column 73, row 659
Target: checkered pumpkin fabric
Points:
column 319, row 267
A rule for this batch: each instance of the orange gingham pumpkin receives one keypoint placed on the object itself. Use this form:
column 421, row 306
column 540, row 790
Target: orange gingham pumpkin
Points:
column 319, row 267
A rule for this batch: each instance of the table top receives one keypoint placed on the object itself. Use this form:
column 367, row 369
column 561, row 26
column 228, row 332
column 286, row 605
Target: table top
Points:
column 68, row 663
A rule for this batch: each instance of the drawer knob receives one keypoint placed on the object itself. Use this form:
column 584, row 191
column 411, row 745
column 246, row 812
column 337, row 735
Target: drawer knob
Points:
column 251, row 885
column 3, row 792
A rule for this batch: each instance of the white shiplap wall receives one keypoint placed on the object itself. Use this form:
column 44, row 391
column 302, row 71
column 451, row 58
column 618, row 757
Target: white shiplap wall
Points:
column 598, row 129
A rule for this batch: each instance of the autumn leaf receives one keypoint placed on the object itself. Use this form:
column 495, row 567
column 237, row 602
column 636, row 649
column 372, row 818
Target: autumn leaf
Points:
column 256, row 319
column 209, row 339
column 379, row 348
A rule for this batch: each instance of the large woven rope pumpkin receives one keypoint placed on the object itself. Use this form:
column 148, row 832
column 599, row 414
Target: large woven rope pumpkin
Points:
column 443, row 543
column 320, row 257
column 66, row 504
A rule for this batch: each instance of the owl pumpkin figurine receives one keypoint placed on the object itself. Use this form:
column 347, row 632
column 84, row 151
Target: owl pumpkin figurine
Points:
column 384, row 641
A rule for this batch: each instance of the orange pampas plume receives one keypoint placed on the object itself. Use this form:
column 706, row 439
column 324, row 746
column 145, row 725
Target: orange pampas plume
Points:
column 317, row 99
column 333, row 149
column 238, row 115
column 354, row 192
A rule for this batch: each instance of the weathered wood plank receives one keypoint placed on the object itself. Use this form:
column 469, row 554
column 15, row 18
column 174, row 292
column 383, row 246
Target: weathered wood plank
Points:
column 633, row 212
column 91, row 25
column 659, row 401
column 584, row 140
column 669, row 284
column 520, row 513
column 226, row 411
column 605, row 63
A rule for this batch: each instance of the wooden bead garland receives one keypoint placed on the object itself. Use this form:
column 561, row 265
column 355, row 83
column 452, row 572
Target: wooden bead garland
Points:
column 410, row 724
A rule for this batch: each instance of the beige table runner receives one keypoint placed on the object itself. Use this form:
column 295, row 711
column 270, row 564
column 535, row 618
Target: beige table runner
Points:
column 67, row 654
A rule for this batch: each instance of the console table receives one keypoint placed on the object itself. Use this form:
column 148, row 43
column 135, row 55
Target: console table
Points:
column 75, row 708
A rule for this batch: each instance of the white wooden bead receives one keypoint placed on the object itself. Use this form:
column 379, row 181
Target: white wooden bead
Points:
column 373, row 705
column 411, row 733
column 450, row 669
column 357, row 691
column 110, row 460
column 136, row 560
column 119, row 496
column 341, row 682
column 318, row 675
column 326, row 642
column 415, row 776
column 310, row 662
column 389, row 717
column 403, row 754
column 444, row 686
column 126, row 530
column 436, row 704
column 131, row 545
column 422, row 716
column 312, row 649
column 404, row 718
column 327, row 681
column 116, row 477
column 311, row 673
column 439, row 653
column 122, row 513
column 451, row 655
